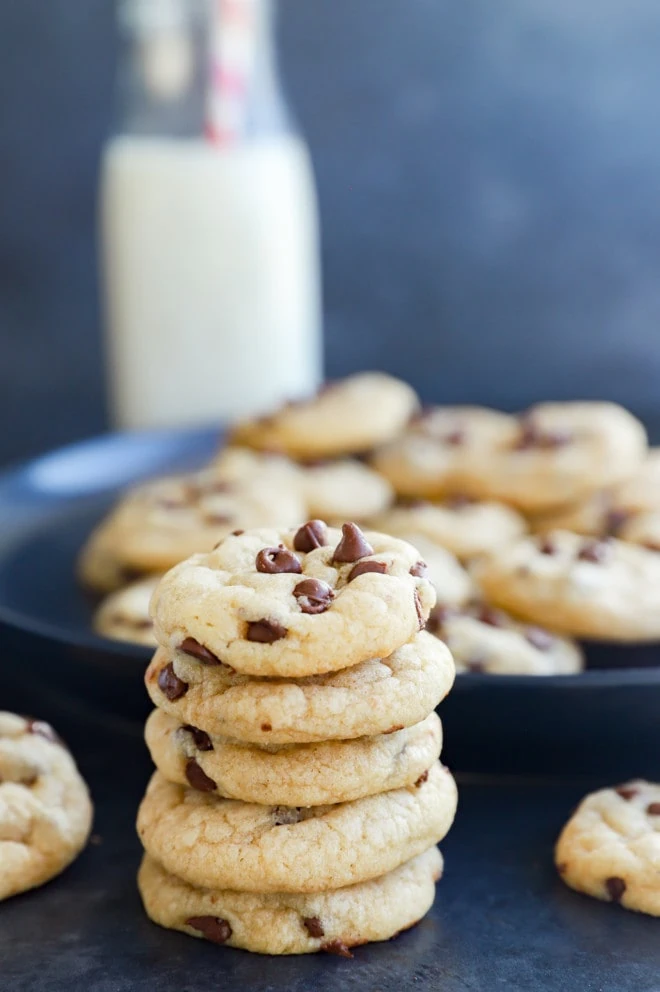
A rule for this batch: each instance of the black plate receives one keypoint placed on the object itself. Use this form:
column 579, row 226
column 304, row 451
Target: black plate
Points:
column 602, row 719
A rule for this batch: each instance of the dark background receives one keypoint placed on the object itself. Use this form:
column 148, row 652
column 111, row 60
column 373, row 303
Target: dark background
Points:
column 489, row 178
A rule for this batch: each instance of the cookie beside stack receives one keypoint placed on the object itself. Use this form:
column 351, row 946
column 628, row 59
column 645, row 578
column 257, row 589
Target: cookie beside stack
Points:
column 299, row 797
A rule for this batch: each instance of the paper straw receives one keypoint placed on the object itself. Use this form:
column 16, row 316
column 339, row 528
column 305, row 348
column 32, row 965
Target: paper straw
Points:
column 232, row 55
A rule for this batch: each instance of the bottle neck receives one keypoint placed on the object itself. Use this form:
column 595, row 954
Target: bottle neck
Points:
column 190, row 68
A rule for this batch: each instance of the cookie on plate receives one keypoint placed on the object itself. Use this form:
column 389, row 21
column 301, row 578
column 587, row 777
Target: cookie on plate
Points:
column 45, row 809
column 295, row 923
column 549, row 456
column 343, row 489
column 316, row 774
column 295, row 602
column 483, row 639
column 236, row 463
column 124, row 615
column 463, row 526
column 164, row 521
column 377, row 696
column 226, row 844
column 333, row 489
column 610, row 847
column 584, row 587
column 346, row 417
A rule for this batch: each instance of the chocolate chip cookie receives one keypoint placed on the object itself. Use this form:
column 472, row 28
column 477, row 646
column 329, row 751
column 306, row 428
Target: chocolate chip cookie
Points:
column 226, row 844
column 343, row 489
column 294, row 923
column 346, row 417
column 317, row 774
column 484, row 639
column 295, row 603
column 162, row 522
column 610, row 847
column 375, row 697
column 124, row 615
column 45, row 809
column 584, row 587
column 464, row 526
column 550, row 455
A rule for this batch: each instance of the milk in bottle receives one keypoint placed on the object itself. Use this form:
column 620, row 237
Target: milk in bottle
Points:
column 209, row 223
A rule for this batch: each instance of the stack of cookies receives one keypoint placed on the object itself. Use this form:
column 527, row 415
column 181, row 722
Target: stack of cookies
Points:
column 298, row 797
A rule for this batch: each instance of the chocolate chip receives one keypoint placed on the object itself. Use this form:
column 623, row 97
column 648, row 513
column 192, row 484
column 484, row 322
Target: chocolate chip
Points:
column 43, row 729
column 313, row 595
column 337, row 947
column 420, row 570
column 170, row 684
column 653, row 809
column 265, row 631
column 217, row 519
column 313, row 926
column 218, row 486
column 458, row 501
column 494, row 618
column 562, row 867
column 362, row 567
column 455, row 438
column 200, row 737
column 539, row 638
column 626, row 791
column 532, row 436
column 615, row 888
column 313, row 534
column 594, row 551
column 237, row 533
column 198, row 778
column 412, row 503
column 196, row 650
column 422, row 779
column 212, row 927
column 475, row 665
column 266, row 727
column 352, row 545
column 421, row 622
column 284, row 815
column 547, row 546
column 276, row 560
column 615, row 520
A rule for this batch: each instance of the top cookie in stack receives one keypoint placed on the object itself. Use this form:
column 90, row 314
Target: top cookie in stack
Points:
column 298, row 797
column 295, row 603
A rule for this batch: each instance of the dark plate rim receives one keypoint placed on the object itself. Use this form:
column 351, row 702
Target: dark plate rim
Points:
column 14, row 478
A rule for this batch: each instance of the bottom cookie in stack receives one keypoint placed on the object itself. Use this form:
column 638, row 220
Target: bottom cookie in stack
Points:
column 295, row 923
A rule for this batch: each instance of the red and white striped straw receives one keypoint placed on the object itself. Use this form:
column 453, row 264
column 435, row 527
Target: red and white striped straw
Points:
column 232, row 53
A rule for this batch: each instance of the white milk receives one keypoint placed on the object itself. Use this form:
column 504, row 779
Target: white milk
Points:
column 210, row 265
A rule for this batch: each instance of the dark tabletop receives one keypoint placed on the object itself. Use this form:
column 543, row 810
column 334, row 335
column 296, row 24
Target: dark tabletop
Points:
column 502, row 918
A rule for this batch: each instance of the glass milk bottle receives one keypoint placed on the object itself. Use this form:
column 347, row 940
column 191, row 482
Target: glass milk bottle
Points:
column 209, row 234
